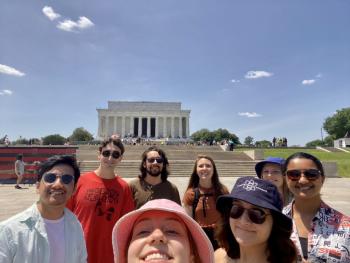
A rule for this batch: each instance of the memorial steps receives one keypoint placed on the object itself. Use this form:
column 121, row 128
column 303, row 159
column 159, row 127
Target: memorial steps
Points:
column 181, row 159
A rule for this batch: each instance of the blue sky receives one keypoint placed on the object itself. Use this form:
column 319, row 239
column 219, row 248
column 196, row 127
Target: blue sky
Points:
column 257, row 68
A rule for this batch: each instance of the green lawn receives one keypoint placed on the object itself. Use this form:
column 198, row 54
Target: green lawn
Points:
column 342, row 158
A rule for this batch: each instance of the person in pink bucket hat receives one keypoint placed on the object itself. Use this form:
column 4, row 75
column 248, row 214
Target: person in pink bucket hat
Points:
column 160, row 231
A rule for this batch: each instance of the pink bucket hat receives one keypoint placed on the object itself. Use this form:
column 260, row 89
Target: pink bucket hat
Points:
column 123, row 229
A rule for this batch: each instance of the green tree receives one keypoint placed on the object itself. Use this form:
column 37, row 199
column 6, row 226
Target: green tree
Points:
column 54, row 139
column 202, row 135
column 21, row 140
column 263, row 144
column 338, row 124
column 223, row 134
column 248, row 140
column 315, row 143
column 80, row 134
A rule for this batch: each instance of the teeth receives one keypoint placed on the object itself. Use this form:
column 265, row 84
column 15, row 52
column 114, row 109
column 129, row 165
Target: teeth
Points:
column 156, row 256
column 305, row 188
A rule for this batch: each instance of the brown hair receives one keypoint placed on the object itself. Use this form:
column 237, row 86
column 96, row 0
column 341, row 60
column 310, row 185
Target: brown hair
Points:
column 165, row 170
column 115, row 141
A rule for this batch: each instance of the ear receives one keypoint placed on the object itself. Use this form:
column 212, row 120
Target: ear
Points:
column 37, row 185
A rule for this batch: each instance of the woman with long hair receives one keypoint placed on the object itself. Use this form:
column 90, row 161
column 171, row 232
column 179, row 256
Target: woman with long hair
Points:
column 200, row 196
column 253, row 228
column 320, row 233
column 270, row 169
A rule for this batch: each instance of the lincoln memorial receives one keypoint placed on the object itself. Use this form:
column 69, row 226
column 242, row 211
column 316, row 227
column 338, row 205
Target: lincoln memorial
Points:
column 143, row 119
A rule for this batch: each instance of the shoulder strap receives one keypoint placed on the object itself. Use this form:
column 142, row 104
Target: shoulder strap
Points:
column 197, row 194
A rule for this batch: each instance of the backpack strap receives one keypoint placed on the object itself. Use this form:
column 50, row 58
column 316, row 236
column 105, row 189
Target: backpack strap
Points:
column 197, row 194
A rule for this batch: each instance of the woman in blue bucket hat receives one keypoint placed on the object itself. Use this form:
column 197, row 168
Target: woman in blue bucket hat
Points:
column 270, row 169
column 253, row 228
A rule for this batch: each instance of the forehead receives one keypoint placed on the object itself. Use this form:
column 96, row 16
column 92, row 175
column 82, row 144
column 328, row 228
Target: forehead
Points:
column 61, row 169
column 112, row 147
column 203, row 161
column 301, row 163
column 248, row 205
column 153, row 154
column 274, row 166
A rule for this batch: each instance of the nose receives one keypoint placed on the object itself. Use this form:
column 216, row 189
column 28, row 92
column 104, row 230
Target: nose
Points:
column 58, row 181
column 303, row 178
column 157, row 236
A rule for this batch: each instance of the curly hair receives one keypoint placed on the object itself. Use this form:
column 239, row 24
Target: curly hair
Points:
column 280, row 248
column 165, row 170
column 219, row 188
column 115, row 141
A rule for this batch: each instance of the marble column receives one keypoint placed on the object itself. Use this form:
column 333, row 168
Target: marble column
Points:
column 180, row 126
column 123, row 127
column 140, row 127
column 165, row 132
column 156, row 133
column 148, row 127
column 172, row 127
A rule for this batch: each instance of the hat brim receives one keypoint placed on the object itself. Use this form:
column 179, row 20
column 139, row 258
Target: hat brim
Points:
column 123, row 228
column 259, row 166
column 224, row 203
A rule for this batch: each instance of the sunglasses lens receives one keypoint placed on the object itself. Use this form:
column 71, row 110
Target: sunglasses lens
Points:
column 115, row 155
column 67, row 178
column 106, row 153
column 158, row 160
column 50, row 178
column 257, row 216
column 312, row 174
column 236, row 211
column 293, row 175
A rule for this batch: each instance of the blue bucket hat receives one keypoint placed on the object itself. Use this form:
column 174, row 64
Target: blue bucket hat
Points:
column 275, row 160
column 257, row 192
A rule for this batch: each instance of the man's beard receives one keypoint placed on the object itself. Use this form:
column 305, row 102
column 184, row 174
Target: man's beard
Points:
column 154, row 172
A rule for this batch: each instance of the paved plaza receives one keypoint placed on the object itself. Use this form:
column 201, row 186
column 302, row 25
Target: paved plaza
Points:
column 335, row 192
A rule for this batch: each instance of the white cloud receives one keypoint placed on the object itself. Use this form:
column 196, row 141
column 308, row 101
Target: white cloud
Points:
column 48, row 11
column 10, row 71
column 5, row 92
column 70, row 25
column 235, row 80
column 249, row 114
column 257, row 74
column 308, row 81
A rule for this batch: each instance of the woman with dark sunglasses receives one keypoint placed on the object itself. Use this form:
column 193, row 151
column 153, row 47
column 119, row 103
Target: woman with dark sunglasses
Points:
column 320, row 233
column 253, row 228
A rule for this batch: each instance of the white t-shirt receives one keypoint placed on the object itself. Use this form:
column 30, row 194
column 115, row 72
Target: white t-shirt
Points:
column 55, row 234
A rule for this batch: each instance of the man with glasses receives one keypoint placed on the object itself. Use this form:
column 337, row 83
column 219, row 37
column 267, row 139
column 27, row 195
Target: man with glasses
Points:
column 152, row 183
column 47, row 231
column 101, row 198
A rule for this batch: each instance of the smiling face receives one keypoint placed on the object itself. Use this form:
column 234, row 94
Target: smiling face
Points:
column 247, row 233
column 56, row 194
column 153, row 168
column 109, row 162
column 273, row 172
column 304, row 188
column 159, row 237
column 205, row 170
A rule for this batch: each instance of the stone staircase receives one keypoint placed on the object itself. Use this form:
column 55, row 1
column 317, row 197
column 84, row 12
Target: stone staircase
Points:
column 181, row 159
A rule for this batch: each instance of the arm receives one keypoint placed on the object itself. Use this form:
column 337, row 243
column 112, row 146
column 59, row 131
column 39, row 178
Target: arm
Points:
column 6, row 253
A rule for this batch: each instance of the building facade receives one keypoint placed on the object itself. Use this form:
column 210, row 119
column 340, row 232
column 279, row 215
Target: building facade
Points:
column 143, row 119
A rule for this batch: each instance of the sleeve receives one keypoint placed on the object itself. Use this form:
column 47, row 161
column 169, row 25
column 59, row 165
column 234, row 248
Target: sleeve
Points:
column 188, row 197
column 6, row 253
column 128, row 201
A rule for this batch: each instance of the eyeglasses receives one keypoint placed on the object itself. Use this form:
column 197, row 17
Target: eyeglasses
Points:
column 107, row 153
column 50, row 178
column 256, row 215
column 310, row 174
column 158, row 160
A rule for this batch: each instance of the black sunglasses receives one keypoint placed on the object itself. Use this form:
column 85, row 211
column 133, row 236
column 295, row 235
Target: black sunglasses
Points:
column 50, row 178
column 158, row 160
column 107, row 153
column 256, row 215
column 310, row 174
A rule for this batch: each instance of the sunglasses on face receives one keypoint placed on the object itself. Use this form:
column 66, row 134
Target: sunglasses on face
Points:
column 310, row 174
column 50, row 178
column 107, row 153
column 255, row 215
column 157, row 160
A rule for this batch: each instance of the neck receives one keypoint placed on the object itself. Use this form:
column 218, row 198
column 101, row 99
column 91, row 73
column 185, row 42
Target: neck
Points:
column 307, row 207
column 250, row 254
column 153, row 180
column 105, row 173
column 205, row 184
column 51, row 213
